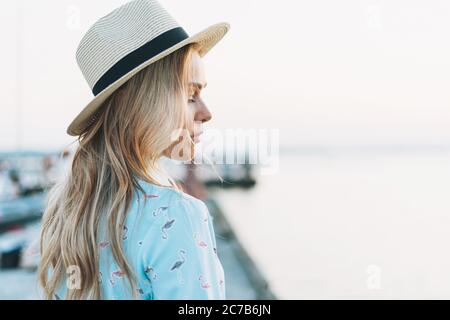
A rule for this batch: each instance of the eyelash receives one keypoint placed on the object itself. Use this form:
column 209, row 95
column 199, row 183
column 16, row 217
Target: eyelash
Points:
column 192, row 99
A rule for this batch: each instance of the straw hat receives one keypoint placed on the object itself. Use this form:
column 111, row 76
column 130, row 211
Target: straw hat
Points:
column 124, row 42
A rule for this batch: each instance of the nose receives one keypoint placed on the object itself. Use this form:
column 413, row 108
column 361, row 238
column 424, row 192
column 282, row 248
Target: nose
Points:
column 203, row 114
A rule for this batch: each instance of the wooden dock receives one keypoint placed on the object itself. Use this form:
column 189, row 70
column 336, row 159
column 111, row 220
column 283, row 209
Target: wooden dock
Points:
column 242, row 276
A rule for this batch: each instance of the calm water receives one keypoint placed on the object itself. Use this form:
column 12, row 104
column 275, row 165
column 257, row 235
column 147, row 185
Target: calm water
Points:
column 355, row 225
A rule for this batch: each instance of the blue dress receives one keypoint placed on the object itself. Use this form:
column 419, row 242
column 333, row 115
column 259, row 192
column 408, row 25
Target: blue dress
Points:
column 170, row 242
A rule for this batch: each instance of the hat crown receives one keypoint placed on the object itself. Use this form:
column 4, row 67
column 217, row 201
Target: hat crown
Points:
column 118, row 33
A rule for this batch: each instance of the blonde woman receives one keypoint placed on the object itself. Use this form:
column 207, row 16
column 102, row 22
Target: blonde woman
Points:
column 113, row 229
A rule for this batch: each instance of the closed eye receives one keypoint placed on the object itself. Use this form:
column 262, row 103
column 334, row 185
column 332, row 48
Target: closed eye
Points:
column 192, row 98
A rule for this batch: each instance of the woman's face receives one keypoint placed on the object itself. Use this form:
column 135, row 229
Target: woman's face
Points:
column 197, row 112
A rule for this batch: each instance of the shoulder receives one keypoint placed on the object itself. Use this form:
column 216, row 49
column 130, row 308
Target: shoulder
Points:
column 187, row 208
column 183, row 220
column 164, row 201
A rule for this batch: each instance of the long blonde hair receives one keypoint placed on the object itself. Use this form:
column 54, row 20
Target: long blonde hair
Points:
column 123, row 145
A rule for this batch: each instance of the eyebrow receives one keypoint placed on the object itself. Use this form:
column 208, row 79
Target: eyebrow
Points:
column 199, row 85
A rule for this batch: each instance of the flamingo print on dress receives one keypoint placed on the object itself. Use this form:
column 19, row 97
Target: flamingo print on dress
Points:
column 103, row 244
column 203, row 283
column 199, row 241
column 150, row 272
column 125, row 231
column 159, row 210
column 178, row 264
column 166, row 226
column 116, row 274
column 148, row 196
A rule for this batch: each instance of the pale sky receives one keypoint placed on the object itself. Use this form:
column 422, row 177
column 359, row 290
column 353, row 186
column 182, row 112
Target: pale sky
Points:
column 324, row 72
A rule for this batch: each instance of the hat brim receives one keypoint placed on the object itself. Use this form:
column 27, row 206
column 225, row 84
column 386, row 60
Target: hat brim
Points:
column 206, row 39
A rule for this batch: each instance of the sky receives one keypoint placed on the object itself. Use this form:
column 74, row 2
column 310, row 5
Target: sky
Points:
column 323, row 72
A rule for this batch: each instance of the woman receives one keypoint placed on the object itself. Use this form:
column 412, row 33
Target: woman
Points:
column 117, row 227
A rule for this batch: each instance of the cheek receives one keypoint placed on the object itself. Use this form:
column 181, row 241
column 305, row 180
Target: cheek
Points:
column 191, row 115
column 191, row 110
